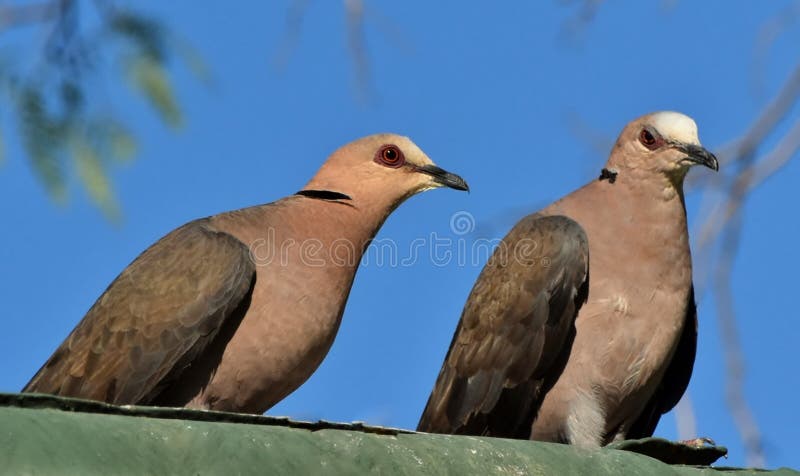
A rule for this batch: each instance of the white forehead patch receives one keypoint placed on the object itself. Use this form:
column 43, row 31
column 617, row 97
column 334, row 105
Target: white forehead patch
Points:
column 675, row 126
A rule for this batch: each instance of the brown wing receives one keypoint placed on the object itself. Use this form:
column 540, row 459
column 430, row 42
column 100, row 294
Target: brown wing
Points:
column 515, row 332
column 676, row 378
column 154, row 319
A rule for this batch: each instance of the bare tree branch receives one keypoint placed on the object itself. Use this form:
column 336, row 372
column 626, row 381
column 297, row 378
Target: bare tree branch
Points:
column 685, row 419
column 767, row 35
column 596, row 140
column 575, row 26
column 732, row 347
column 294, row 23
column 355, row 35
column 740, row 155
column 742, row 169
column 356, row 41
column 721, row 222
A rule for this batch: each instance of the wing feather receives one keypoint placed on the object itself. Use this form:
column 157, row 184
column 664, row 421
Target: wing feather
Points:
column 515, row 332
column 153, row 320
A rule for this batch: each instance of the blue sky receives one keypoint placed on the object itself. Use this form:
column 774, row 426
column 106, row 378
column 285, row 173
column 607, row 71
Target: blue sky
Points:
column 488, row 93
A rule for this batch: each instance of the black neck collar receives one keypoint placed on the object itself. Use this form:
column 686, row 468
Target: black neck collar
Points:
column 608, row 174
column 323, row 195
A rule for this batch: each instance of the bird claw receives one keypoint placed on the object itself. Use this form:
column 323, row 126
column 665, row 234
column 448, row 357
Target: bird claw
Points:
column 698, row 442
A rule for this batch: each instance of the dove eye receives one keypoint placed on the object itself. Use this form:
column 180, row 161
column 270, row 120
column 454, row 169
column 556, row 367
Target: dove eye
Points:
column 649, row 140
column 390, row 156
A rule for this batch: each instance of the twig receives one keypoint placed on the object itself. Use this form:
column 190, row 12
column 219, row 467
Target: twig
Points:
column 357, row 42
column 294, row 22
column 722, row 223
column 743, row 169
column 767, row 35
column 576, row 25
column 685, row 419
column 732, row 348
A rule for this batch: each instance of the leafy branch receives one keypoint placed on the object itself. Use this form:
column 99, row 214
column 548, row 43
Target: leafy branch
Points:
column 64, row 132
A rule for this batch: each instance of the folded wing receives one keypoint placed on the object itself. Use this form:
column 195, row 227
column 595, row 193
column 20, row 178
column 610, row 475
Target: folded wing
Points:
column 156, row 317
column 515, row 332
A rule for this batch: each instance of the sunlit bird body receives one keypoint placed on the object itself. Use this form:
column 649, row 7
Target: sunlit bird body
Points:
column 235, row 311
column 597, row 340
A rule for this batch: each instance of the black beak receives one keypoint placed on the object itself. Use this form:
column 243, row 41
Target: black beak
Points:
column 444, row 177
column 699, row 155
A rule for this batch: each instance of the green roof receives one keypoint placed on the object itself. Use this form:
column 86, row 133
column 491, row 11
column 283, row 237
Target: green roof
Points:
column 42, row 434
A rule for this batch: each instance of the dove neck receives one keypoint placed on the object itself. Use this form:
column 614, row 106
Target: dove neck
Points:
column 359, row 209
column 642, row 182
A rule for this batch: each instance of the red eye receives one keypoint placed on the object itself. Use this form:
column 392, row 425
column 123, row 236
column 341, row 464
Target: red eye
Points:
column 648, row 139
column 390, row 156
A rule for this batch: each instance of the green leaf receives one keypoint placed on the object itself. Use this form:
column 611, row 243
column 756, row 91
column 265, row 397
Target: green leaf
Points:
column 122, row 144
column 111, row 138
column 150, row 78
column 145, row 33
column 92, row 174
column 194, row 61
column 43, row 138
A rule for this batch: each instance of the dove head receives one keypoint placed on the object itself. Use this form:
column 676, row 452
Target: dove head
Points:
column 383, row 169
column 663, row 142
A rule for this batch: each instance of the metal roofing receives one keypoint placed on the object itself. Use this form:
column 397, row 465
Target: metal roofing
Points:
column 41, row 434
